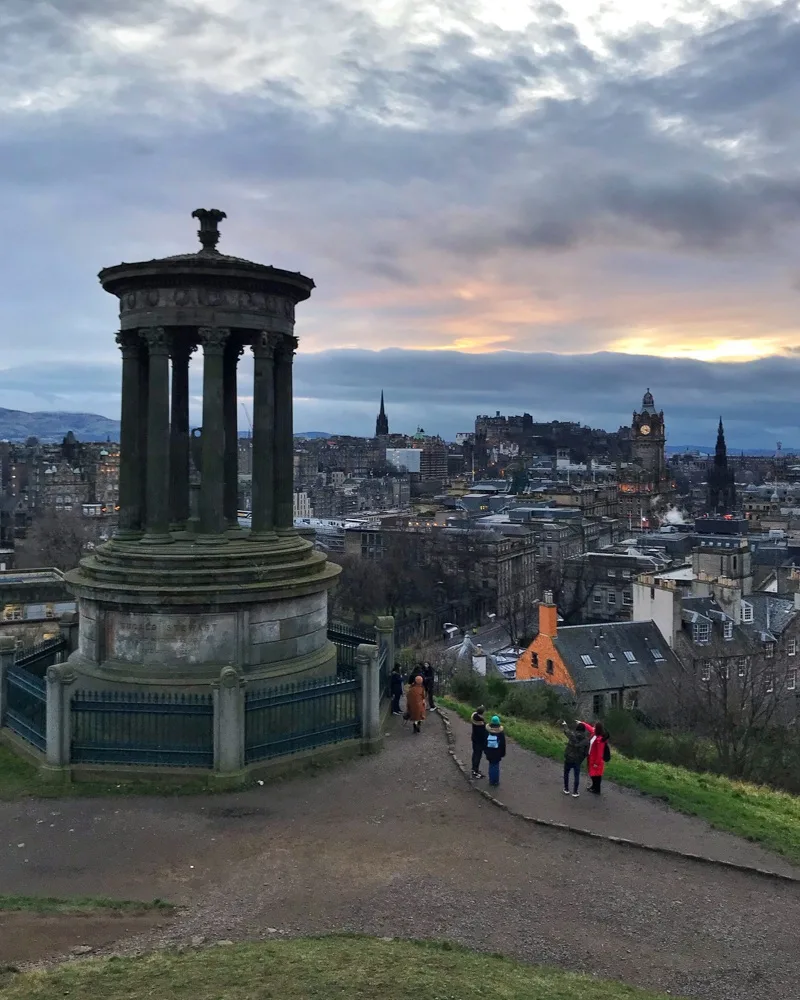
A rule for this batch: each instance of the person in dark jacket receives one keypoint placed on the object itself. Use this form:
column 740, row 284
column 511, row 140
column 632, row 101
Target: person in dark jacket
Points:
column 396, row 688
column 574, row 755
column 428, row 681
column 478, row 739
column 495, row 748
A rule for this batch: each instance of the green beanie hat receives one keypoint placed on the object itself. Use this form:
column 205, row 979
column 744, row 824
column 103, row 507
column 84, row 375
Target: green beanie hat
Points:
column 495, row 720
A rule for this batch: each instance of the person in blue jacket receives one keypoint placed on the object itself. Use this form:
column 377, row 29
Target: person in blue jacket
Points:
column 495, row 748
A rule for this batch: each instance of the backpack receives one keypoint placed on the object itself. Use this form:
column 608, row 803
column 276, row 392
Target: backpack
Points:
column 606, row 753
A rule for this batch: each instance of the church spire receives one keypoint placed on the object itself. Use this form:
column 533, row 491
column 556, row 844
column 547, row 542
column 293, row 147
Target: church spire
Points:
column 721, row 482
column 721, row 450
column 382, row 423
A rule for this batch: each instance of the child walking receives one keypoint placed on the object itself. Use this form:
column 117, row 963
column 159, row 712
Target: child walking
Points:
column 574, row 754
column 495, row 748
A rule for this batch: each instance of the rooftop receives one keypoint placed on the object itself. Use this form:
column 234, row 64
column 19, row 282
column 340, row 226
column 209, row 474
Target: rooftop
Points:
column 614, row 655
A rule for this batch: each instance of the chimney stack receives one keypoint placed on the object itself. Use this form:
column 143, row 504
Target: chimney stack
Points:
column 548, row 616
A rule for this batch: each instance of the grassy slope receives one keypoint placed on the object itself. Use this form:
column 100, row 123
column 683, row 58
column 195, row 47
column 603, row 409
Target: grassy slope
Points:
column 313, row 969
column 756, row 813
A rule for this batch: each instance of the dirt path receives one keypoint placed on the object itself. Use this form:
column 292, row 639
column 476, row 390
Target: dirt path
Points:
column 533, row 786
column 399, row 845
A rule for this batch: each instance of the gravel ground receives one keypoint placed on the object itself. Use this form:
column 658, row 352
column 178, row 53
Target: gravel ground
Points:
column 398, row 845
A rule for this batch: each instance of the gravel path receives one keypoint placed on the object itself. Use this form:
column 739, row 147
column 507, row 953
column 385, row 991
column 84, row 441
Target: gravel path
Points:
column 532, row 785
column 399, row 845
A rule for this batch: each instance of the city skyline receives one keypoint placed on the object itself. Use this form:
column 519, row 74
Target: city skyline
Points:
column 620, row 189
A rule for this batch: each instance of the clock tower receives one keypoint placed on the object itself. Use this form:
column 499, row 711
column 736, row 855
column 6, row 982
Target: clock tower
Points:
column 645, row 490
column 648, row 438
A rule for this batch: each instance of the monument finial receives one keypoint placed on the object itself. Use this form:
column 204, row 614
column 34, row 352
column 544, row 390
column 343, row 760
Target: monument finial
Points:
column 208, row 233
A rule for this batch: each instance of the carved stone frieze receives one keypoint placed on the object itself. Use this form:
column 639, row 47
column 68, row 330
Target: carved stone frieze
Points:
column 192, row 298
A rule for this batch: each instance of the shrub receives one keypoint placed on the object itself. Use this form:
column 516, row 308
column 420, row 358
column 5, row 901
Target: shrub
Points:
column 497, row 689
column 469, row 687
column 534, row 702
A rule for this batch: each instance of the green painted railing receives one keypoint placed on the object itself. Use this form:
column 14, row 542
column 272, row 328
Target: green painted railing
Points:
column 293, row 717
column 26, row 706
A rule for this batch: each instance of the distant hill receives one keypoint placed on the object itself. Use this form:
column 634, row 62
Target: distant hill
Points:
column 50, row 427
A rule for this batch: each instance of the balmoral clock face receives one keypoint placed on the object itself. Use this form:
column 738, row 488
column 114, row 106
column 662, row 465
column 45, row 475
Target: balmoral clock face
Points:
column 645, row 429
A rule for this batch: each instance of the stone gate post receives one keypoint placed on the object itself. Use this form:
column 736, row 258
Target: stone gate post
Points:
column 58, row 680
column 384, row 630
column 369, row 672
column 229, row 714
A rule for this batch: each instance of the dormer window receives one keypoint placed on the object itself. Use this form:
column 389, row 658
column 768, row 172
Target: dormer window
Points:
column 747, row 612
column 769, row 649
column 727, row 630
column 701, row 632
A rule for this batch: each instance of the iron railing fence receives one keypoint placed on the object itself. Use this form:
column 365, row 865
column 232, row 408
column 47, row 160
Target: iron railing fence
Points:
column 120, row 727
column 37, row 658
column 289, row 718
column 26, row 706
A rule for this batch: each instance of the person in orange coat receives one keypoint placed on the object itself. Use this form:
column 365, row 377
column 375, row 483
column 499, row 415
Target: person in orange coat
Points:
column 598, row 754
column 415, row 703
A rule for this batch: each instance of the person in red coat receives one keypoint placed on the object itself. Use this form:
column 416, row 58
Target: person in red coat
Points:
column 596, row 760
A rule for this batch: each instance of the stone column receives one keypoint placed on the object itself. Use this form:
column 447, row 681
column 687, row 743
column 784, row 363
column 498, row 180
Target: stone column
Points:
column 384, row 632
column 228, row 724
column 68, row 626
column 131, row 459
column 157, row 515
column 367, row 667
column 144, row 392
column 179, row 436
column 212, row 476
column 263, row 445
column 58, row 680
column 284, row 436
column 230, row 403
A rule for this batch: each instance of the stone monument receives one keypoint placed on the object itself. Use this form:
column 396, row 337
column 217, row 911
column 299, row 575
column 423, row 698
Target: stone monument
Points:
column 178, row 596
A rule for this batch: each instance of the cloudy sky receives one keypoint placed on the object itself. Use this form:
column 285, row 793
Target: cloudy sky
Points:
column 505, row 205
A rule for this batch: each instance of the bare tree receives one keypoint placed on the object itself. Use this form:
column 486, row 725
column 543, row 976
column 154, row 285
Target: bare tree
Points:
column 59, row 539
column 571, row 583
column 733, row 701
column 359, row 589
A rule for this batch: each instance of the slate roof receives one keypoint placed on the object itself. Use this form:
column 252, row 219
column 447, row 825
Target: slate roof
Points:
column 771, row 613
column 606, row 646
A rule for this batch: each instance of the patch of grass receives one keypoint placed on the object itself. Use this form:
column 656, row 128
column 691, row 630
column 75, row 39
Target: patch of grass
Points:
column 20, row 779
column 758, row 814
column 354, row 968
column 80, row 904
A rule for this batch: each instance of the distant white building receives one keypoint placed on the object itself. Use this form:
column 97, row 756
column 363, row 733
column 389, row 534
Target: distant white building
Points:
column 302, row 505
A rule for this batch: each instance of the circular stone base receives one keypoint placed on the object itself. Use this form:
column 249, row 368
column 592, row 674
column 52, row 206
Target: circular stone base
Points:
column 176, row 615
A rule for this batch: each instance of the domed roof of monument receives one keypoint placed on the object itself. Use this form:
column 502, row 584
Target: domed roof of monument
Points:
column 206, row 260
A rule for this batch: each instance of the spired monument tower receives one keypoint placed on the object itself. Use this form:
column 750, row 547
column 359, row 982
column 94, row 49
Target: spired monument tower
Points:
column 182, row 592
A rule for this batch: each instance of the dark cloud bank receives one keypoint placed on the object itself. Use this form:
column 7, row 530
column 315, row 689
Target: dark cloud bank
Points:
column 442, row 391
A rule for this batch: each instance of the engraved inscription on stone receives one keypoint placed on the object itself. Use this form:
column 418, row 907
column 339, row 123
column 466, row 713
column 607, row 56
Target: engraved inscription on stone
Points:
column 165, row 639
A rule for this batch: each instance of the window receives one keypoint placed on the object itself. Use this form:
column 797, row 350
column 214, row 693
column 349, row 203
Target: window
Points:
column 791, row 681
column 597, row 704
column 614, row 699
column 658, row 656
column 549, row 667
column 612, row 573
column 548, row 550
column 702, row 632
column 535, row 658
column 747, row 612
column 626, row 574
column 770, row 682
column 769, row 650
column 633, row 699
column 611, row 657
column 612, row 597
column 792, row 650
column 727, row 630
column 627, row 598
column 652, row 593
column 734, row 562
column 13, row 613
column 705, row 670
column 586, row 660
column 629, row 656
column 741, row 664
column 597, row 598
